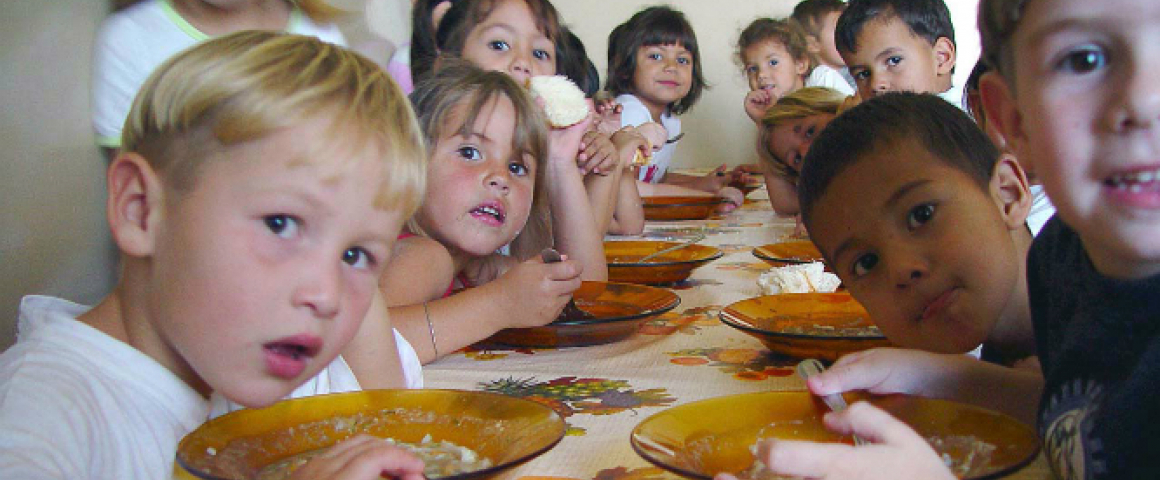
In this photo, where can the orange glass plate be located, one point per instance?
(623, 257)
(701, 439)
(679, 207)
(618, 310)
(805, 325)
(781, 254)
(506, 430)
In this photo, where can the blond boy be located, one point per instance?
(262, 182)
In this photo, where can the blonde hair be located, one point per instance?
(801, 103)
(247, 85)
(450, 101)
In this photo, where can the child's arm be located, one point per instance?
(606, 191)
(375, 342)
(574, 227)
(733, 197)
(956, 377)
(362, 457)
(782, 194)
(897, 451)
(628, 218)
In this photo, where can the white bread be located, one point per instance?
(564, 102)
(801, 278)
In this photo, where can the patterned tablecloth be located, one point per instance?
(685, 355)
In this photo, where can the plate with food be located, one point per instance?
(625, 263)
(601, 312)
(459, 434)
(806, 325)
(786, 253)
(680, 207)
(703, 438)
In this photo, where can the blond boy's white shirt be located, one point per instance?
(76, 403)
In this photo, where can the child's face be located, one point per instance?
(508, 41)
(770, 67)
(921, 246)
(263, 271)
(827, 50)
(479, 192)
(1087, 119)
(891, 58)
(790, 140)
(664, 75)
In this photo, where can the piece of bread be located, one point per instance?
(801, 278)
(564, 102)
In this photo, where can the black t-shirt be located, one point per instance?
(1099, 345)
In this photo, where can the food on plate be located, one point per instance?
(440, 459)
(564, 102)
(798, 278)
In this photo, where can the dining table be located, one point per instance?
(687, 354)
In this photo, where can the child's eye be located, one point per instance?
(653, 56)
(894, 60)
(810, 132)
(357, 257)
(773, 62)
(518, 169)
(283, 226)
(919, 215)
(684, 60)
(863, 264)
(860, 75)
(499, 45)
(1084, 60)
(751, 69)
(470, 153)
(541, 54)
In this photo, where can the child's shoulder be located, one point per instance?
(418, 263)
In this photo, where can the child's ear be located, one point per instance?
(813, 45)
(1010, 189)
(944, 56)
(134, 204)
(802, 65)
(1000, 109)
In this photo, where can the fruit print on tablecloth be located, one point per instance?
(745, 364)
(689, 322)
(570, 396)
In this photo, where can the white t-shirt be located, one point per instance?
(76, 403)
(336, 378)
(955, 96)
(635, 113)
(824, 76)
(133, 42)
(1041, 210)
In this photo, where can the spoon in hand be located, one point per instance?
(810, 367)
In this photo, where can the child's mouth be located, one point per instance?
(286, 358)
(1140, 188)
(491, 213)
(939, 305)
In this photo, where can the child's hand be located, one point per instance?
(536, 291)
(564, 143)
(655, 133)
(607, 114)
(756, 103)
(629, 142)
(362, 457)
(733, 199)
(896, 451)
(885, 370)
(597, 153)
(799, 228)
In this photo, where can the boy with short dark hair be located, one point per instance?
(262, 180)
(899, 45)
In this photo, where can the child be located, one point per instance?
(133, 42)
(787, 131)
(262, 182)
(519, 37)
(899, 45)
(819, 18)
(777, 61)
(422, 51)
(654, 69)
(488, 166)
(1074, 93)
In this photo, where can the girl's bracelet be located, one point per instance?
(431, 329)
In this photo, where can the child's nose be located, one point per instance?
(907, 269)
(497, 180)
(1137, 104)
(520, 67)
(319, 288)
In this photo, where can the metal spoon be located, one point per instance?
(571, 310)
(810, 367)
(673, 248)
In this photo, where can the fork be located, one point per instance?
(810, 367)
(673, 248)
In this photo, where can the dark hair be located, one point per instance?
(572, 61)
(423, 49)
(465, 15)
(883, 121)
(652, 26)
(809, 13)
(997, 22)
(787, 32)
(928, 19)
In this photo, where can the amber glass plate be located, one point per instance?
(506, 430)
(679, 207)
(617, 311)
(787, 253)
(806, 325)
(701, 439)
(623, 257)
